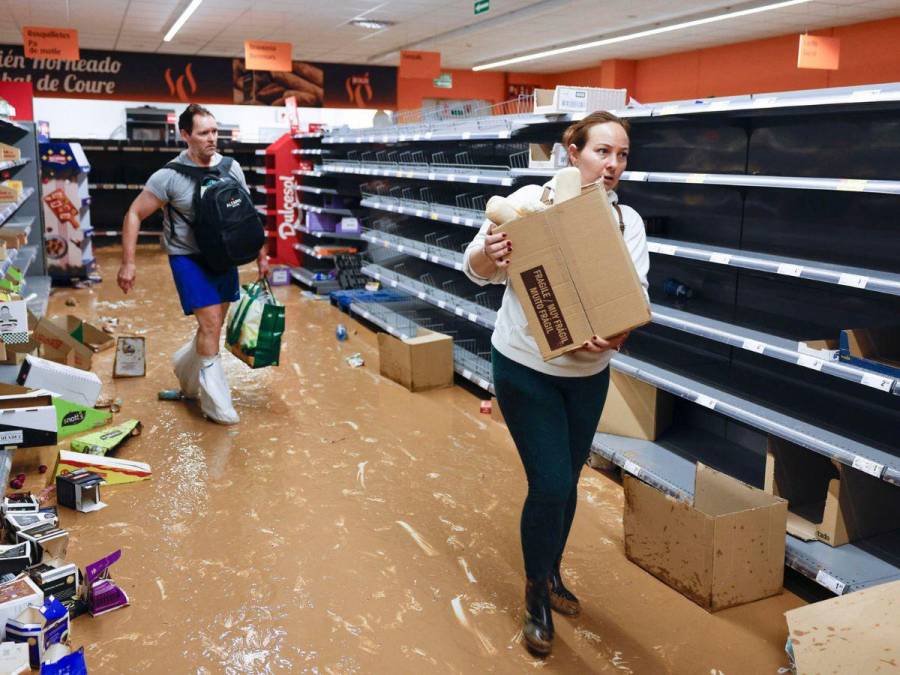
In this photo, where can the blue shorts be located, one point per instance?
(198, 287)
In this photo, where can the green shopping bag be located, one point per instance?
(255, 325)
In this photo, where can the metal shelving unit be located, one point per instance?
(723, 223)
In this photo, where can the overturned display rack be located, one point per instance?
(732, 258)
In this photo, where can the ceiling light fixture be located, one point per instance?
(639, 34)
(185, 15)
(371, 24)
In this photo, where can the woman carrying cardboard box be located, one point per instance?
(553, 408)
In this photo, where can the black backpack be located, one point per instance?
(227, 227)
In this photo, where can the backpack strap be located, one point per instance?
(621, 219)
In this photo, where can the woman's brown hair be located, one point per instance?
(577, 134)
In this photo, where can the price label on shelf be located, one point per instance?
(720, 258)
(719, 105)
(466, 135)
(432, 176)
(833, 584)
(458, 311)
(472, 317)
(506, 181)
(754, 346)
(666, 249)
(653, 247)
(417, 137)
(696, 178)
(470, 222)
(473, 179)
(868, 466)
(420, 295)
(706, 401)
(632, 468)
(442, 304)
(419, 213)
(451, 178)
(503, 134)
(810, 362)
(428, 135)
(636, 175)
(455, 220)
(765, 102)
(878, 382)
(790, 270)
(467, 374)
(854, 280)
(865, 94)
(433, 216)
(667, 110)
(851, 185)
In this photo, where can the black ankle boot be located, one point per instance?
(561, 598)
(538, 623)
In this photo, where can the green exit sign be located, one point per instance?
(481, 6)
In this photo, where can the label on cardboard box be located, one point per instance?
(543, 299)
(11, 437)
(571, 100)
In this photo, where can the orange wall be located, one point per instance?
(869, 54)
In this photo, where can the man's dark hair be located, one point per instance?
(186, 119)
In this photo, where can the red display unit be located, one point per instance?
(280, 210)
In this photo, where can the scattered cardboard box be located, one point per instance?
(724, 549)
(824, 349)
(876, 349)
(15, 558)
(30, 460)
(853, 633)
(27, 420)
(828, 501)
(105, 441)
(15, 596)
(635, 409)
(72, 343)
(130, 357)
(419, 363)
(62, 581)
(573, 274)
(20, 503)
(72, 384)
(61, 660)
(49, 543)
(113, 470)
(40, 627)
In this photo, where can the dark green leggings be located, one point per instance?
(552, 421)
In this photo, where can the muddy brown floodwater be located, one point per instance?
(349, 526)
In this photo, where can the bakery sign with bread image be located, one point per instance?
(138, 76)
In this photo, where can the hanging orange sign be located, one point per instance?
(259, 55)
(823, 53)
(425, 65)
(60, 44)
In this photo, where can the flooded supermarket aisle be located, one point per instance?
(347, 525)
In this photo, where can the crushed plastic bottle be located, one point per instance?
(341, 332)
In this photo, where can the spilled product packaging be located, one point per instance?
(419, 363)
(573, 274)
(14, 658)
(72, 418)
(15, 596)
(130, 357)
(72, 384)
(27, 420)
(725, 548)
(113, 470)
(60, 579)
(103, 595)
(107, 440)
(40, 627)
(79, 490)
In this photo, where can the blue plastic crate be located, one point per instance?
(343, 299)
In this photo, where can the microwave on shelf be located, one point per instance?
(147, 123)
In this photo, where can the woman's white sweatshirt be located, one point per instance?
(511, 335)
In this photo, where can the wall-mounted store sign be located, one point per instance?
(50, 43)
(420, 64)
(133, 76)
(815, 51)
(273, 56)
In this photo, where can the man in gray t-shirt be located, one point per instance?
(204, 293)
(177, 190)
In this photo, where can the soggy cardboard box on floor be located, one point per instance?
(419, 363)
(829, 501)
(71, 341)
(573, 274)
(27, 420)
(635, 409)
(724, 549)
(853, 633)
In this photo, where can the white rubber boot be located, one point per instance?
(186, 364)
(215, 394)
